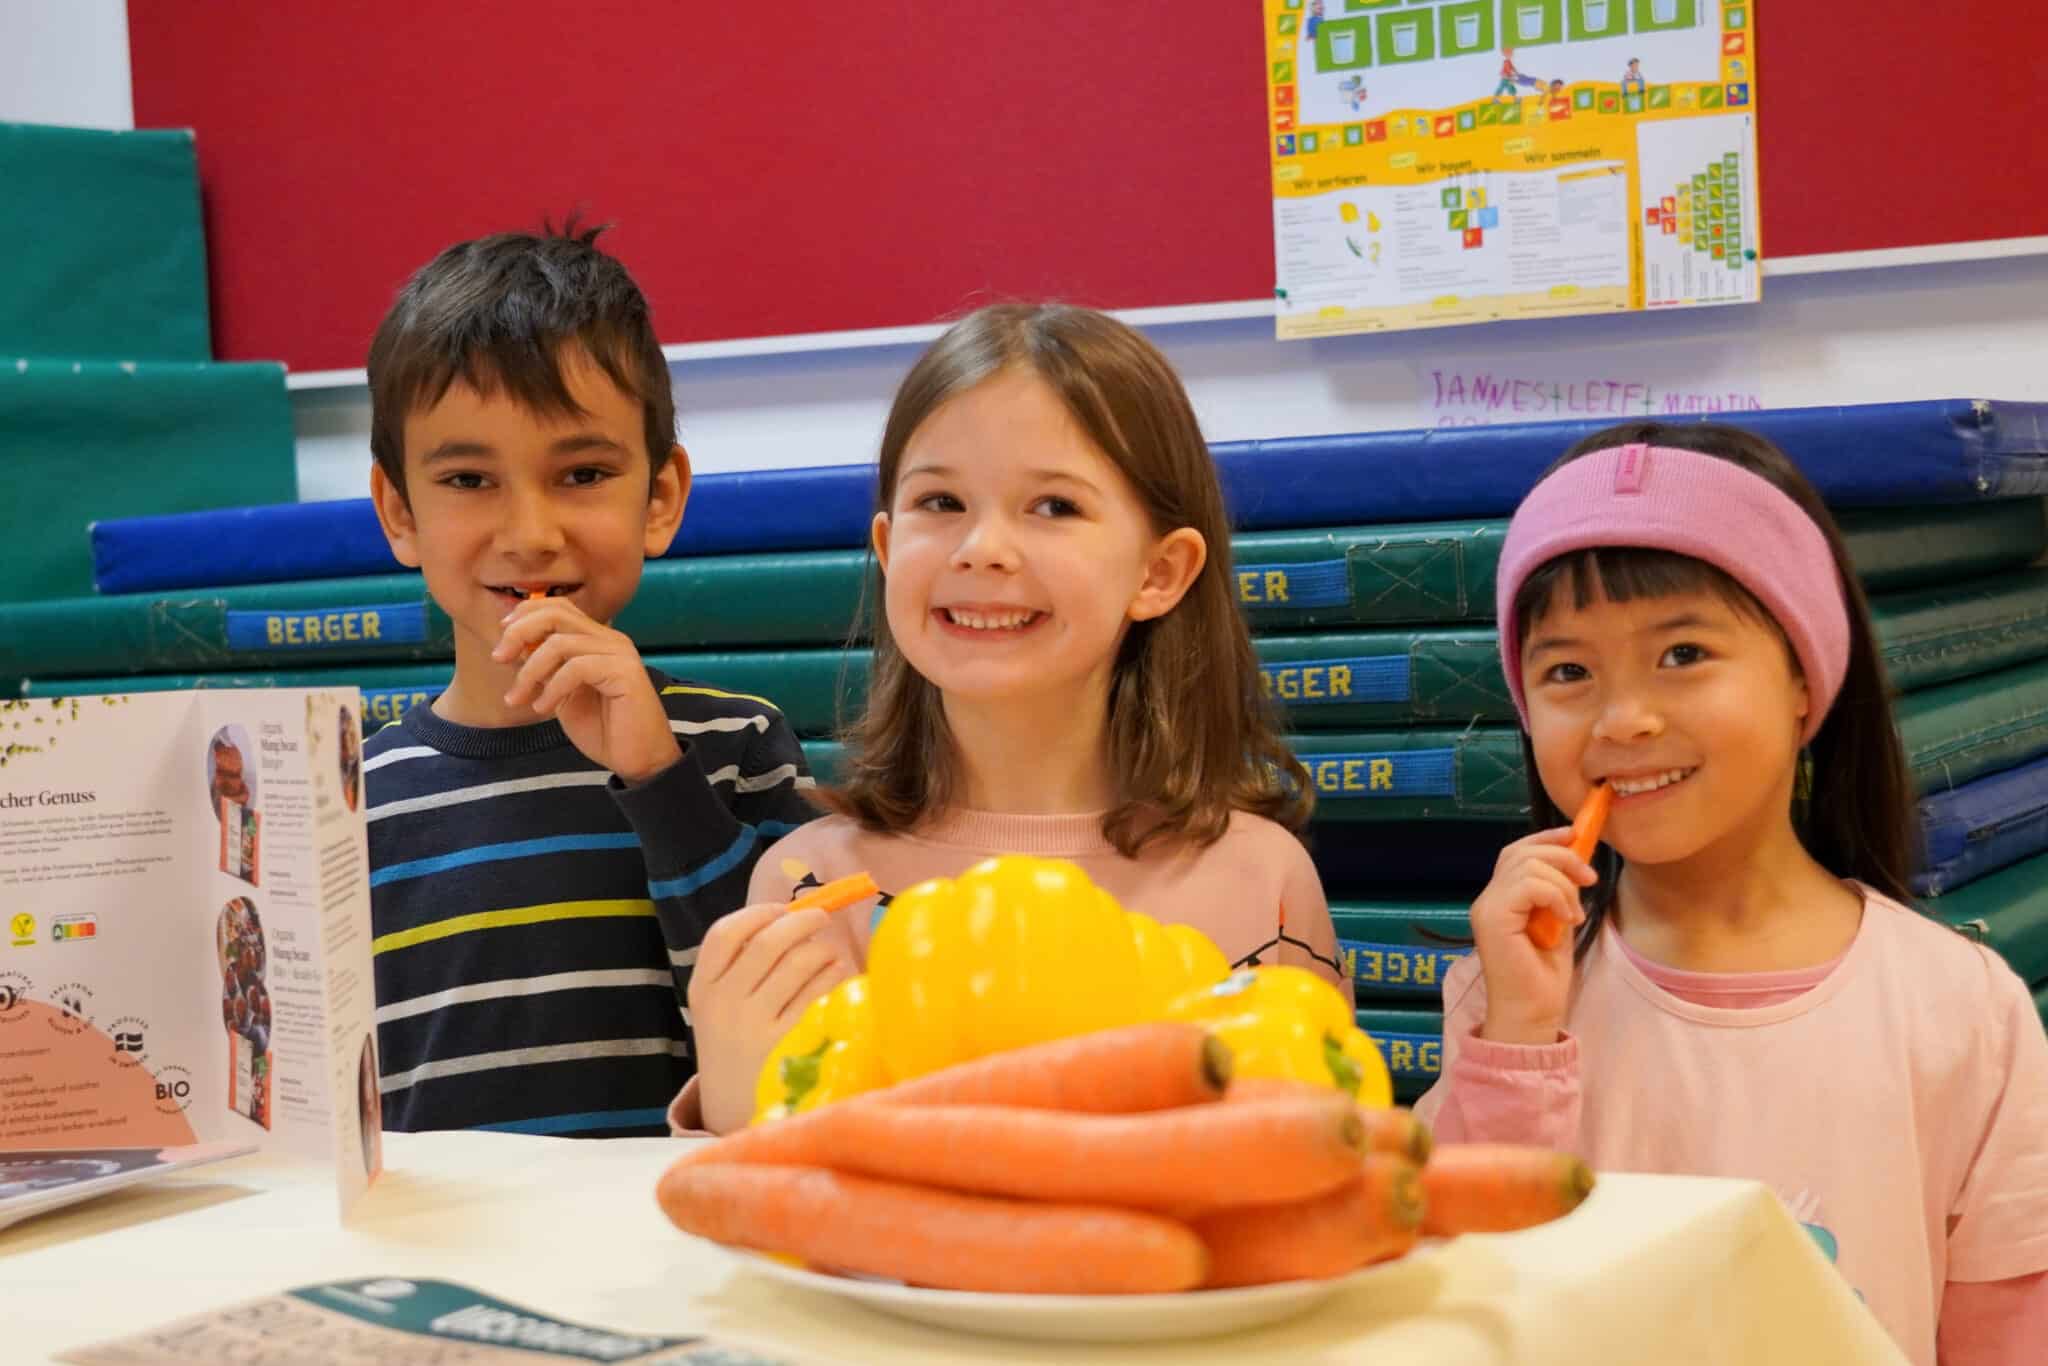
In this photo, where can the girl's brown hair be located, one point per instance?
(1856, 818)
(1191, 734)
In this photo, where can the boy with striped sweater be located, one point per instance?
(550, 838)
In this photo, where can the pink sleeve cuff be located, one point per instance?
(1520, 1057)
(686, 1114)
(1512, 1093)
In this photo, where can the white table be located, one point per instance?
(1650, 1269)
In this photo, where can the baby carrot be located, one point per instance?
(1591, 820)
(1369, 1218)
(837, 894)
(1197, 1157)
(1544, 926)
(1498, 1188)
(932, 1237)
(1394, 1131)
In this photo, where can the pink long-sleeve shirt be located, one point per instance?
(1896, 1100)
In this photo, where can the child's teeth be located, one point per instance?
(989, 621)
(1634, 786)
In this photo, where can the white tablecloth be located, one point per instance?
(1650, 1269)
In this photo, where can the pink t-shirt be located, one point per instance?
(1897, 1102)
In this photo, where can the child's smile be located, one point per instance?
(1690, 709)
(1013, 550)
(989, 621)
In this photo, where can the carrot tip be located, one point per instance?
(1217, 1062)
(1422, 1144)
(1578, 1185)
(1352, 1130)
(1409, 1202)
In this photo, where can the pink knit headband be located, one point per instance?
(1663, 498)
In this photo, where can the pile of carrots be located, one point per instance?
(1119, 1162)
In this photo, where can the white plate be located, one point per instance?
(1076, 1318)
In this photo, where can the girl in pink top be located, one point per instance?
(1060, 669)
(1746, 993)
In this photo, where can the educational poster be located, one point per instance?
(1457, 161)
(186, 889)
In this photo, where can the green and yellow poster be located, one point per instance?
(1457, 161)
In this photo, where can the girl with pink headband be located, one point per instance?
(1746, 992)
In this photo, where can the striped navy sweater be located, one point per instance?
(536, 919)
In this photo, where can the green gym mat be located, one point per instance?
(2007, 910)
(812, 598)
(1976, 726)
(1338, 679)
(1442, 572)
(1400, 949)
(82, 440)
(1937, 635)
(1900, 548)
(719, 600)
(106, 254)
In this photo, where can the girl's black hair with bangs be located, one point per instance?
(1857, 817)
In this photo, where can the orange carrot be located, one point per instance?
(1369, 1218)
(1137, 1068)
(931, 1237)
(1544, 926)
(1395, 1130)
(838, 894)
(1157, 1066)
(1201, 1156)
(1591, 820)
(1498, 1188)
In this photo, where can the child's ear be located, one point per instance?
(666, 495)
(878, 535)
(394, 515)
(1175, 563)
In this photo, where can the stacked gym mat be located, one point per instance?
(110, 402)
(1365, 566)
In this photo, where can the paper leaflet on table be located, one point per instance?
(365, 1322)
(201, 862)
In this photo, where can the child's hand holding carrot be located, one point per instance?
(757, 970)
(589, 677)
(1528, 985)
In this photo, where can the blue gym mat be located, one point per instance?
(1980, 827)
(1939, 451)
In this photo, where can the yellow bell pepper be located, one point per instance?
(828, 1055)
(1287, 1022)
(1172, 961)
(1014, 951)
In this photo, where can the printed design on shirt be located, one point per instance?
(1805, 1208)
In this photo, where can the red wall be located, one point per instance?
(816, 167)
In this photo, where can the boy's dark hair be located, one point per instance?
(1192, 737)
(1857, 818)
(495, 313)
